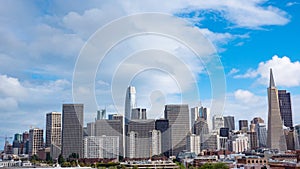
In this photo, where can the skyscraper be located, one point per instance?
(72, 130)
(101, 114)
(109, 128)
(163, 126)
(218, 122)
(243, 125)
(35, 140)
(261, 134)
(130, 103)
(276, 137)
(141, 129)
(229, 122)
(205, 114)
(178, 116)
(53, 133)
(285, 108)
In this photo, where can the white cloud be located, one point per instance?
(285, 72)
(11, 87)
(233, 71)
(245, 96)
(291, 4)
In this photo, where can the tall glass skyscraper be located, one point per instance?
(72, 130)
(179, 119)
(130, 102)
(285, 108)
(229, 122)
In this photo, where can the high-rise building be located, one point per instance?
(25, 142)
(200, 127)
(257, 120)
(35, 140)
(210, 142)
(138, 113)
(178, 116)
(155, 142)
(205, 114)
(110, 128)
(285, 106)
(224, 132)
(103, 147)
(130, 102)
(162, 125)
(253, 140)
(289, 137)
(243, 125)
(53, 133)
(239, 143)
(218, 122)
(276, 138)
(229, 122)
(195, 114)
(297, 133)
(141, 129)
(261, 134)
(101, 114)
(91, 129)
(72, 130)
(193, 143)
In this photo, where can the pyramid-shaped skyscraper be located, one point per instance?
(276, 137)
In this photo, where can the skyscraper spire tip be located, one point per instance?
(272, 83)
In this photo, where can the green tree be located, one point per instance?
(214, 166)
(61, 159)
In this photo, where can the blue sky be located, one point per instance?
(41, 40)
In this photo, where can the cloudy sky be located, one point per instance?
(40, 42)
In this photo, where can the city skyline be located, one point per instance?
(44, 45)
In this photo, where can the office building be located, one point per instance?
(253, 140)
(162, 125)
(101, 114)
(243, 125)
(155, 142)
(72, 130)
(285, 106)
(138, 113)
(178, 116)
(193, 143)
(36, 141)
(205, 114)
(110, 128)
(195, 114)
(103, 147)
(140, 129)
(275, 138)
(224, 132)
(91, 129)
(218, 122)
(210, 142)
(200, 127)
(239, 143)
(130, 103)
(53, 133)
(289, 137)
(229, 122)
(297, 133)
(257, 120)
(262, 135)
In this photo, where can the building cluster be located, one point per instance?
(182, 129)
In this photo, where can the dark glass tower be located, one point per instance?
(72, 130)
(229, 122)
(285, 108)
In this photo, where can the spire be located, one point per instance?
(272, 83)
